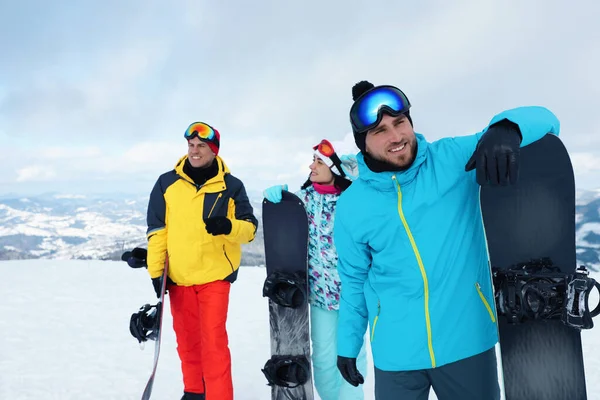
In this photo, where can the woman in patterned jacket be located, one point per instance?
(327, 180)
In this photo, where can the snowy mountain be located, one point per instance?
(83, 227)
(63, 227)
(588, 228)
(101, 227)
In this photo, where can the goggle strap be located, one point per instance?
(332, 162)
(337, 163)
(214, 139)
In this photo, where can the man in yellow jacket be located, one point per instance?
(198, 218)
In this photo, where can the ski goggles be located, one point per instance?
(325, 152)
(325, 148)
(200, 129)
(367, 110)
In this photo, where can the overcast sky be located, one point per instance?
(95, 95)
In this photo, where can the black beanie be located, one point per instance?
(358, 90)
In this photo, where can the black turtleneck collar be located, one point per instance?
(201, 174)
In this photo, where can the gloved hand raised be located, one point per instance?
(218, 226)
(497, 155)
(273, 194)
(347, 367)
(350, 166)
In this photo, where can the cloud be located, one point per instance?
(35, 173)
(75, 108)
(346, 145)
(69, 153)
(143, 154)
(585, 163)
(110, 96)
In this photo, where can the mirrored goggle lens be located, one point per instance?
(365, 114)
(324, 148)
(201, 129)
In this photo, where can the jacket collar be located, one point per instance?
(383, 180)
(216, 183)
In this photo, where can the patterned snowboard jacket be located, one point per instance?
(323, 278)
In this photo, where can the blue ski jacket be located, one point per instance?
(413, 258)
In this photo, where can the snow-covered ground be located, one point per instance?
(64, 335)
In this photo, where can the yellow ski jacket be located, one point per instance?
(176, 212)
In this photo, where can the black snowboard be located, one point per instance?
(285, 226)
(534, 220)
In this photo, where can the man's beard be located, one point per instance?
(378, 165)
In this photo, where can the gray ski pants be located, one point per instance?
(474, 378)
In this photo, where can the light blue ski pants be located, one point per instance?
(328, 380)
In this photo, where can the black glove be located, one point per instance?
(218, 226)
(135, 258)
(157, 284)
(347, 367)
(497, 154)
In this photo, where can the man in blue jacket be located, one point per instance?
(412, 251)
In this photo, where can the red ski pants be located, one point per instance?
(199, 319)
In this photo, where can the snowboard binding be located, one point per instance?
(538, 290)
(287, 290)
(576, 311)
(287, 371)
(144, 324)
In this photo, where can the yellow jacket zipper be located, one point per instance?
(375, 320)
(421, 268)
(485, 302)
(214, 204)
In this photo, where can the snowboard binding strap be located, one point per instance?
(287, 371)
(576, 311)
(538, 290)
(285, 289)
(144, 324)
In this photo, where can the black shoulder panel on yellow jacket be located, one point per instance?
(155, 217)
